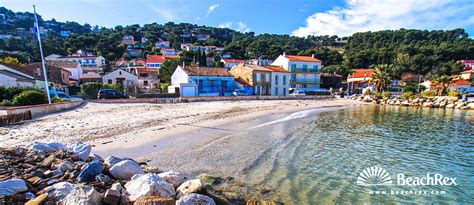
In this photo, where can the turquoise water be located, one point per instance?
(325, 152)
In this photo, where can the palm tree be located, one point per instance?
(442, 81)
(380, 78)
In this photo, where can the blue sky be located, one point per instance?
(294, 17)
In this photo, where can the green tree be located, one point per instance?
(380, 78)
(167, 69)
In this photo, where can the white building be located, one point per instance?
(74, 69)
(89, 64)
(305, 71)
(229, 63)
(121, 77)
(280, 80)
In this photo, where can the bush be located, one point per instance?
(57, 100)
(453, 93)
(114, 86)
(410, 89)
(30, 97)
(8, 93)
(428, 93)
(90, 90)
(7, 103)
(377, 95)
(386, 95)
(407, 95)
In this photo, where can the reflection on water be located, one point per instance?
(324, 155)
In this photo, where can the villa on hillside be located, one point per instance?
(305, 71)
(359, 80)
(199, 81)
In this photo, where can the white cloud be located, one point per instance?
(238, 26)
(165, 13)
(212, 8)
(373, 15)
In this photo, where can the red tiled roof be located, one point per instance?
(242, 82)
(63, 64)
(275, 68)
(91, 76)
(18, 68)
(234, 61)
(148, 70)
(172, 57)
(85, 57)
(461, 82)
(200, 71)
(302, 58)
(361, 73)
(155, 59)
(468, 61)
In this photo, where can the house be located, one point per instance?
(243, 86)
(305, 71)
(162, 44)
(52, 57)
(89, 64)
(468, 73)
(148, 79)
(58, 78)
(169, 52)
(359, 80)
(74, 70)
(198, 81)
(260, 62)
(256, 76)
(154, 61)
(202, 37)
(90, 78)
(280, 80)
(128, 40)
(461, 86)
(229, 63)
(189, 47)
(121, 77)
(12, 75)
(135, 64)
(134, 53)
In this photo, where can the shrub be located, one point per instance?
(114, 86)
(90, 90)
(410, 89)
(407, 95)
(8, 93)
(377, 94)
(7, 103)
(57, 100)
(30, 97)
(453, 93)
(386, 95)
(428, 93)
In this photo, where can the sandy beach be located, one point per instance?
(189, 137)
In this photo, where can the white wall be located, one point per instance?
(281, 61)
(129, 78)
(280, 85)
(179, 76)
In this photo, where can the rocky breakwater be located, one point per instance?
(432, 102)
(56, 173)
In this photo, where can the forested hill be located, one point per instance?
(424, 52)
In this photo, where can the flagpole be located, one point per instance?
(41, 53)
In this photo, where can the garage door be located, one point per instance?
(188, 91)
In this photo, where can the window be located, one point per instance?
(305, 68)
(145, 83)
(109, 81)
(293, 77)
(267, 77)
(258, 77)
(315, 68)
(87, 61)
(276, 91)
(93, 61)
(284, 91)
(276, 79)
(80, 61)
(143, 75)
(284, 80)
(200, 85)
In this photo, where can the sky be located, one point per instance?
(293, 17)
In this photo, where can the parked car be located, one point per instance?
(239, 93)
(298, 93)
(62, 95)
(110, 94)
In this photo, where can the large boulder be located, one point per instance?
(191, 186)
(172, 177)
(195, 199)
(148, 185)
(125, 169)
(154, 200)
(111, 161)
(65, 166)
(60, 190)
(12, 186)
(79, 150)
(90, 170)
(83, 195)
(46, 147)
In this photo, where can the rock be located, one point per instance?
(151, 169)
(262, 202)
(190, 186)
(48, 161)
(148, 185)
(111, 161)
(91, 170)
(154, 200)
(450, 106)
(125, 169)
(405, 103)
(65, 166)
(60, 190)
(34, 180)
(38, 200)
(80, 150)
(12, 186)
(103, 178)
(209, 179)
(195, 199)
(117, 187)
(83, 195)
(46, 147)
(111, 196)
(172, 177)
(97, 157)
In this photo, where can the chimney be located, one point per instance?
(284, 54)
(312, 55)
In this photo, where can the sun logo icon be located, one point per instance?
(374, 176)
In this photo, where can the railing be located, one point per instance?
(305, 70)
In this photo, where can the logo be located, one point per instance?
(374, 176)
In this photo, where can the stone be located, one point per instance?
(154, 200)
(110, 161)
(195, 199)
(103, 178)
(34, 180)
(190, 186)
(263, 202)
(79, 150)
(125, 169)
(46, 147)
(405, 103)
(117, 186)
(91, 170)
(12, 187)
(172, 177)
(97, 157)
(65, 166)
(209, 179)
(151, 169)
(38, 200)
(48, 161)
(450, 106)
(149, 184)
(111, 196)
(83, 195)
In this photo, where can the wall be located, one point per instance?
(37, 110)
(129, 78)
(280, 85)
(268, 97)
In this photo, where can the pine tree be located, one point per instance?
(204, 59)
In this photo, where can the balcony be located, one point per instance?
(305, 70)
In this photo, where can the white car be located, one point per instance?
(62, 95)
(298, 93)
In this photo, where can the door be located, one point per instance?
(188, 91)
(120, 81)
